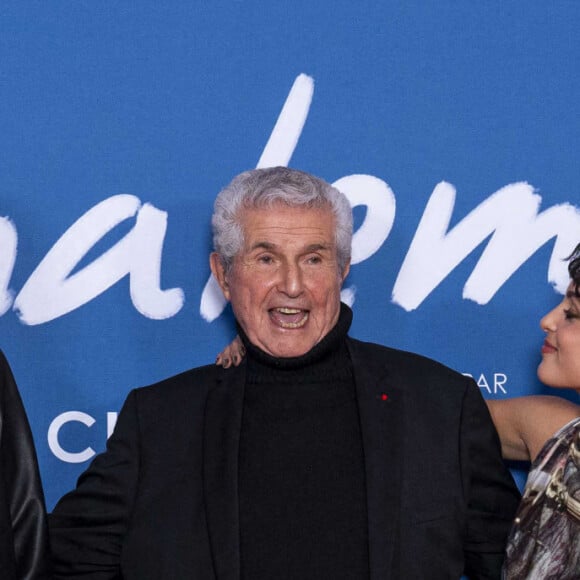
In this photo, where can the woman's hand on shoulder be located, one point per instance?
(232, 354)
(524, 424)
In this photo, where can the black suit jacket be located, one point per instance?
(23, 529)
(162, 502)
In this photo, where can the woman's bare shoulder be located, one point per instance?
(524, 424)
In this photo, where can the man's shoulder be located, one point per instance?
(190, 384)
(427, 384)
(402, 361)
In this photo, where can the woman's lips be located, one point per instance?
(547, 348)
(289, 317)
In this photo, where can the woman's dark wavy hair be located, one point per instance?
(574, 269)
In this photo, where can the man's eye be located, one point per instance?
(569, 313)
(314, 260)
(265, 259)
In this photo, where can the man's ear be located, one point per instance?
(345, 272)
(219, 272)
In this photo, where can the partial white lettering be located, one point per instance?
(510, 216)
(8, 245)
(52, 291)
(56, 447)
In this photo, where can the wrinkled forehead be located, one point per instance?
(289, 229)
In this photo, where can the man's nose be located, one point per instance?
(291, 280)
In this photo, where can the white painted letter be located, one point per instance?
(510, 216)
(499, 380)
(52, 291)
(111, 422)
(379, 200)
(8, 244)
(482, 383)
(278, 151)
(54, 429)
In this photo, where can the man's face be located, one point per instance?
(284, 284)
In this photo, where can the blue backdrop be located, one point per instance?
(453, 128)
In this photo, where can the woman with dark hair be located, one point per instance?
(545, 539)
(23, 528)
(544, 543)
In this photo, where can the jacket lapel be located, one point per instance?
(223, 419)
(381, 415)
(381, 427)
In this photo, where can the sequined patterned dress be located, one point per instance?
(544, 542)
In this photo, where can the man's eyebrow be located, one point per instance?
(317, 247)
(263, 246)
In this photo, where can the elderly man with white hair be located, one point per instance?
(318, 457)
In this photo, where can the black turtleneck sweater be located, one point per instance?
(303, 511)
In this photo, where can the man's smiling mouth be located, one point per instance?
(289, 317)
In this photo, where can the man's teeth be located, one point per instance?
(294, 312)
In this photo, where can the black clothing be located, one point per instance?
(301, 472)
(23, 529)
(162, 503)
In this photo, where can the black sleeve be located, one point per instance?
(23, 530)
(89, 524)
(492, 496)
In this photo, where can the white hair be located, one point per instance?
(263, 188)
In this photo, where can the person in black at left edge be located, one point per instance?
(23, 527)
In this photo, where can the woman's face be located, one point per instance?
(560, 366)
